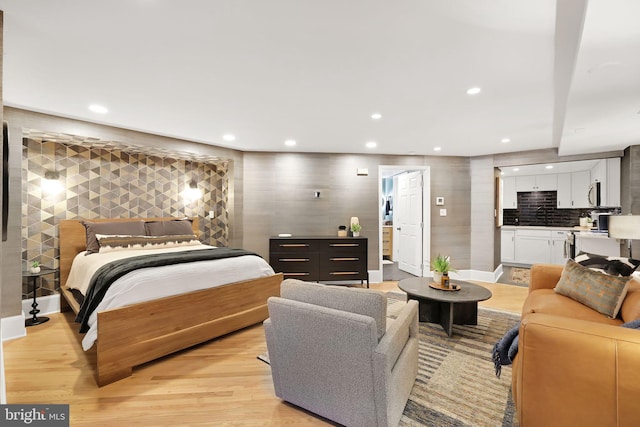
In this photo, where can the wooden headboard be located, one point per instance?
(73, 239)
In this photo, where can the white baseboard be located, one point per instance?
(47, 305)
(13, 327)
(479, 275)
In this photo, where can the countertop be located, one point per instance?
(582, 231)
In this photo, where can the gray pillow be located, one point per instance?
(119, 228)
(178, 227)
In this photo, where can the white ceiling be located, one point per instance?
(315, 71)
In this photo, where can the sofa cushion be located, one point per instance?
(630, 309)
(367, 302)
(614, 265)
(547, 301)
(602, 292)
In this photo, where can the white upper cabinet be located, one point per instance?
(509, 193)
(564, 191)
(607, 173)
(580, 182)
(547, 182)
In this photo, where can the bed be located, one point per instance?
(137, 333)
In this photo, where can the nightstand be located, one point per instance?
(44, 271)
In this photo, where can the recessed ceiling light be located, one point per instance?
(505, 140)
(98, 109)
(549, 167)
(515, 169)
(473, 91)
(290, 142)
(229, 137)
(376, 116)
(501, 172)
(371, 144)
(437, 148)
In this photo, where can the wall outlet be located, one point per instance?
(443, 212)
(211, 215)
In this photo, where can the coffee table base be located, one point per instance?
(447, 314)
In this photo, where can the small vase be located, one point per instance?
(437, 277)
(356, 234)
(35, 270)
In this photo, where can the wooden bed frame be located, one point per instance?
(132, 335)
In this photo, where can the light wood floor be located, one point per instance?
(218, 383)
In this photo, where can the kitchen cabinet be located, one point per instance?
(564, 191)
(580, 182)
(508, 245)
(573, 189)
(607, 173)
(558, 252)
(509, 193)
(534, 246)
(547, 182)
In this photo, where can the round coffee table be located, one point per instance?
(446, 307)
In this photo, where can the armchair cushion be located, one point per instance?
(355, 300)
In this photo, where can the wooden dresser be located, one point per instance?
(320, 258)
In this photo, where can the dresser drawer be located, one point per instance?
(292, 245)
(297, 265)
(341, 265)
(344, 246)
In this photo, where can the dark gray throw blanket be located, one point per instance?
(506, 349)
(109, 273)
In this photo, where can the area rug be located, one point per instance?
(456, 384)
(521, 276)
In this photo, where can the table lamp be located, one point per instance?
(625, 227)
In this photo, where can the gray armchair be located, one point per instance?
(334, 352)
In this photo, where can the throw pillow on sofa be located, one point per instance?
(614, 265)
(601, 292)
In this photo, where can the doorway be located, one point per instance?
(404, 219)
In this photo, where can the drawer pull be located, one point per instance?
(343, 273)
(296, 274)
(344, 259)
(294, 245)
(344, 245)
(293, 259)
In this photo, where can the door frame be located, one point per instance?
(426, 212)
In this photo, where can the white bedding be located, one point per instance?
(156, 282)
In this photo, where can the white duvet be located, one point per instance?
(156, 282)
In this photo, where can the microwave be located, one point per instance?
(594, 195)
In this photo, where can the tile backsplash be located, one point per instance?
(539, 208)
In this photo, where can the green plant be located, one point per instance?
(356, 227)
(35, 264)
(441, 264)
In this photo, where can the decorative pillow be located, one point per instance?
(130, 228)
(614, 265)
(180, 227)
(109, 243)
(601, 292)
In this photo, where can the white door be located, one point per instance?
(410, 222)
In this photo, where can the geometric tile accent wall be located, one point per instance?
(103, 182)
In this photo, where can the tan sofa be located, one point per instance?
(575, 366)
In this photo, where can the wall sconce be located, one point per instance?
(51, 184)
(192, 192)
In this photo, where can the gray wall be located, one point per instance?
(278, 198)
(630, 188)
